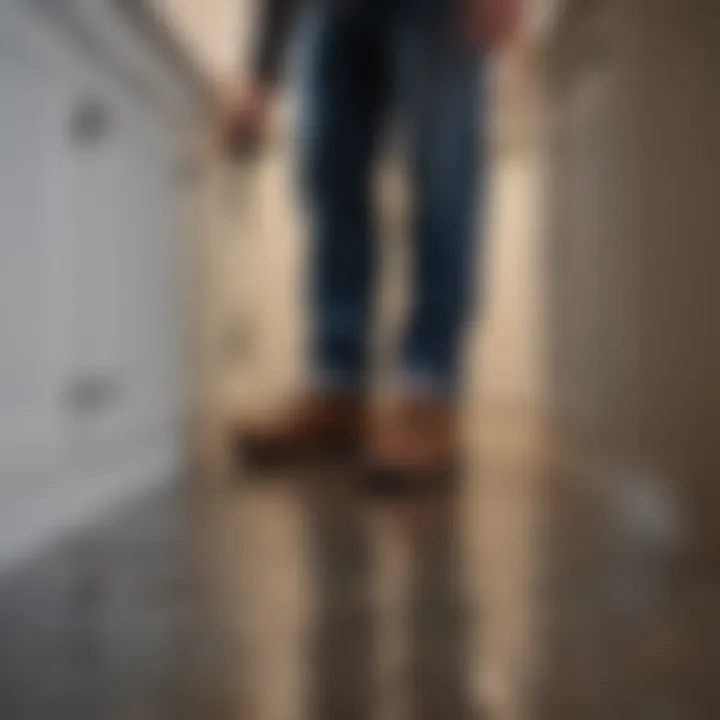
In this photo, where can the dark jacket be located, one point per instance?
(276, 17)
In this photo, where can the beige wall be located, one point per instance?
(635, 257)
(212, 29)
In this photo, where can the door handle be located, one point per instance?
(90, 122)
(90, 395)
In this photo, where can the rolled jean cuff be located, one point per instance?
(336, 381)
(422, 382)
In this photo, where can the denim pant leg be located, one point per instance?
(441, 84)
(346, 97)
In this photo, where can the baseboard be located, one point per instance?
(73, 498)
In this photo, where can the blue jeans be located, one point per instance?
(369, 58)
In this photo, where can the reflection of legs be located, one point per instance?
(346, 100)
(439, 673)
(341, 639)
(440, 83)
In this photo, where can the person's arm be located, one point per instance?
(275, 21)
(246, 107)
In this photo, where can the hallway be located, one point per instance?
(545, 585)
(531, 591)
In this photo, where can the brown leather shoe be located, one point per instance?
(315, 426)
(415, 446)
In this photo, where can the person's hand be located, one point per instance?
(491, 24)
(245, 112)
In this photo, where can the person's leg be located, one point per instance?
(344, 107)
(440, 85)
(441, 81)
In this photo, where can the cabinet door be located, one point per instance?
(31, 183)
(125, 317)
(100, 280)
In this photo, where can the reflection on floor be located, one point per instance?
(523, 594)
(284, 598)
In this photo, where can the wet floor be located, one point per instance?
(526, 592)
(284, 597)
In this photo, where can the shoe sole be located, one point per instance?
(393, 482)
(262, 461)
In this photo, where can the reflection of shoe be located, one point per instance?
(414, 447)
(316, 426)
